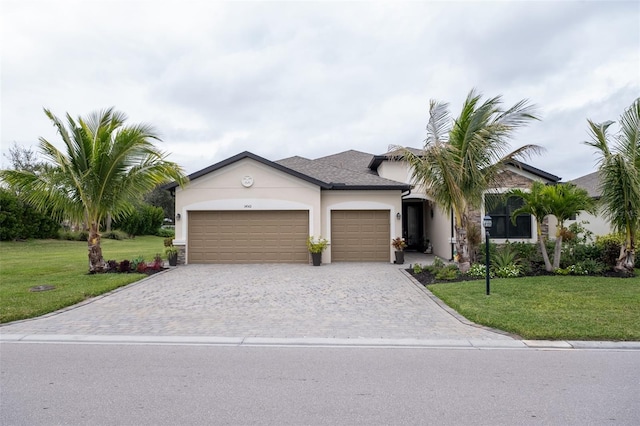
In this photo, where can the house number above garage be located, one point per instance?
(247, 181)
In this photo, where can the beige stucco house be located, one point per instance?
(247, 209)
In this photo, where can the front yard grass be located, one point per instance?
(63, 264)
(551, 307)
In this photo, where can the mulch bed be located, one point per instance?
(426, 278)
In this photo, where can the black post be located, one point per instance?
(487, 261)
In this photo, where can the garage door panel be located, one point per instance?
(360, 235)
(248, 237)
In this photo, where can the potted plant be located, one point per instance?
(316, 246)
(399, 244)
(172, 255)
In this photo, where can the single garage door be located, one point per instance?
(248, 237)
(360, 236)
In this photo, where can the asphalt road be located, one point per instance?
(86, 384)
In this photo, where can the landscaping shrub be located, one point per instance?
(125, 266)
(112, 266)
(448, 273)
(146, 220)
(158, 263)
(438, 263)
(478, 270)
(609, 246)
(580, 252)
(115, 235)
(591, 266)
(505, 262)
(18, 220)
(166, 233)
(74, 235)
(417, 268)
(136, 261)
(508, 271)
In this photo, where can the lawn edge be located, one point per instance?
(455, 313)
(86, 301)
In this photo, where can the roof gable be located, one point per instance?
(247, 154)
(320, 172)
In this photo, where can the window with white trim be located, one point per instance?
(500, 209)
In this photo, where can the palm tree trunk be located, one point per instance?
(626, 260)
(543, 249)
(557, 252)
(462, 249)
(96, 261)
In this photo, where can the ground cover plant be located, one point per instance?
(62, 264)
(551, 307)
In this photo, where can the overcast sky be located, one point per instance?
(316, 78)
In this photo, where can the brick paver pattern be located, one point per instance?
(340, 300)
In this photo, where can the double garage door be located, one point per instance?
(280, 236)
(248, 236)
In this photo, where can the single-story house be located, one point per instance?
(247, 209)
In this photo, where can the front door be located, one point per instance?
(413, 225)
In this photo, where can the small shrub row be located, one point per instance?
(439, 270)
(138, 265)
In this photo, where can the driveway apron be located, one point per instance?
(340, 300)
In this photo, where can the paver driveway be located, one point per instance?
(341, 300)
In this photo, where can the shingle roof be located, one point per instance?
(590, 182)
(345, 170)
(376, 160)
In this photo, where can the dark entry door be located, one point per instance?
(413, 225)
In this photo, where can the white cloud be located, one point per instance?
(315, 78)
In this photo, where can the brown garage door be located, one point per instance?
(248, 237)
(360, 236)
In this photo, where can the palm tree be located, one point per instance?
(462, 159)
(619, 170)
(104, 168)
(534, 203)
(563, 201)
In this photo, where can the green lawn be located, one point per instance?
(551, 307)
(63, 264)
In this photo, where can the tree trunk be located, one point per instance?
(96, 261)
(462, 249)
(543, 249)
(626, 261)
(107, 225)
(557, 252)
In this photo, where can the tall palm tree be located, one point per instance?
(534, 203)
(104, 168)
(462, 159)
(619, 170)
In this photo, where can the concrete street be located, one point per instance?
(85, 384)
